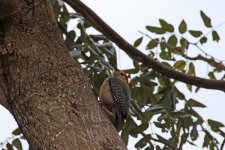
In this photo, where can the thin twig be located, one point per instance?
(210, 31)
(199, 57)
(222, 145)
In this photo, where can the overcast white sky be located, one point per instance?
(127, 17)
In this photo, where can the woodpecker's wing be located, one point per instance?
(121, 96)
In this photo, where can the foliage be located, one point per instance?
(13, 142)
(154, 97)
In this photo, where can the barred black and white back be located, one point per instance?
(121, 96)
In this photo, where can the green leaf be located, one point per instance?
(212, 146)
(222, 133)
(147, 116)
(168, 27)
(71, 35)
(195, 103)
(9, 146)
(206, 140)
(166, 100)
(56, 8)
(163, 140)
(166, 56)
(136, 109)
(96, 78)
(195, 33)
(191, 70)
(139, 129)
(194, 133)
(163, 45)
(87, 24)
(183, 139)
(182, 27)
(23, 138)
(130, 124)
(16, 131)
(155, 109)
(17, 144)
(164, 81)
(132, 71)
(172, 41)
(189, 86)
(203, 40)
(184, 43)
(125, 135)
(187, 122)
(180, 65)
(163, 126)
(138, 42)
(64, 17)
(179, 94)
(179, 114)
(156, 30)
(141, 143)
(152, 44)
(206, 19)
(215, 36)
(211, 75)
(215, 123)
(197, 89)
(158, 147)
(178, 50)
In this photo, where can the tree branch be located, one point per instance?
(211, 61)
(205, 59)
(100, 25)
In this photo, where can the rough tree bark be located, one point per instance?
(44, 88)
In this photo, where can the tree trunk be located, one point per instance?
(46, 89)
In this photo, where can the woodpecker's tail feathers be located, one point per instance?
(118, 124)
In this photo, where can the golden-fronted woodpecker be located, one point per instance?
(115, 96)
